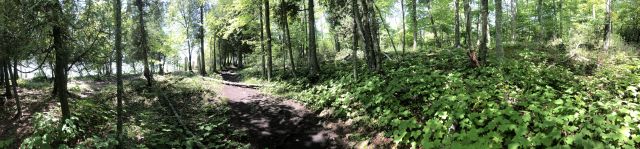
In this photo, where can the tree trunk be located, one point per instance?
(414, 18)
(607, 26)
(291, 59)
(434, 28)
(514, 20)
(203, 70)
(143, 43)
(14, 82)
(539, 11)
(498, 23)
(262, 50)
(287, 38)
(314, 67)
(61, 62)
(483, 38)
(119, 85)
(473, 58)
(457, 22)
(5, 72)
(268, 27)
(189, 49)
(354, 50)
(404, 33)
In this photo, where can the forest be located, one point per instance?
(319, 74)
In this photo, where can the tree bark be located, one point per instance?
(414, 18)
(473, 58)
(354, 50)
(434, 28)
(268, 27)
(14, 82)
(404, 33)
(607, 26)
(119, 85)
(539, 11)
(61, 62)
(314, 67)
(6, 82)
(285, 25)
(457, 22)
(143, 43)
(203, 70)
(498, 23)
(262, 57)
(514, 20)
(483, 38)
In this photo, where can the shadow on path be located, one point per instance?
(276, 123)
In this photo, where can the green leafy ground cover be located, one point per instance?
(539, 100)
(150, 123)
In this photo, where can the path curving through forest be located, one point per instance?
(272, 122)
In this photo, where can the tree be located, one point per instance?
(354, 49)
(143, 42)
(607, 26)
(284, 8)
(404, 33)
(268, 27)
(498, 23)
(186, 11)
(514, 17)
(457, 23)
(117, 6)
(203, 71)
(262, 50)
(314, 67)
(484, 34)
(539, 19)
(434, 28)
(61, 54)
(414, 18)
(14, 82)
(473, 58)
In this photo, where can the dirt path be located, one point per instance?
(272, 122)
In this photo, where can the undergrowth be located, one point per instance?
(150, 121)
(533, 99)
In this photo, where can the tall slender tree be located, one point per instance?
(473, 58)
(607, 26)
(514, 20)
(404, 32)
(268, 27)
(62, 55)
(483, 38)
(498, 24)
(262, 50)
(287, 34)
(456, 41)
(314, 67)
(203, 70)
(143, 42)
(539, 19)
(434, 27)
(117, 6)
(414, 19)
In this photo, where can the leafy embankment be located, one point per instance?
(150, 123)
(531, 102)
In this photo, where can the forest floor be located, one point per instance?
(274, 122)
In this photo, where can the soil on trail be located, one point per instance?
(272, 122)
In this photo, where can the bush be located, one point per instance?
(526, 103)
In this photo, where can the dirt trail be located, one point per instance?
(272, 122)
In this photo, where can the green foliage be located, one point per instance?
(524, 103)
